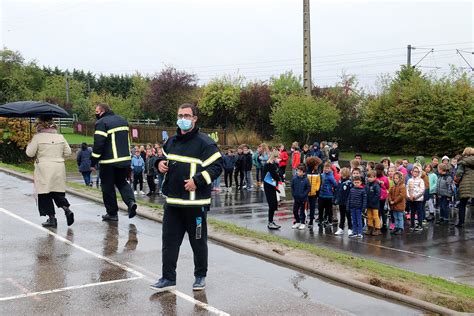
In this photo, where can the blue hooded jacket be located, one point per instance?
(342, 192)
(300, 188)
(328, 185)
(373, 194)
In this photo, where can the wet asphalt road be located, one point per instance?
(101, 268)
(443, 251)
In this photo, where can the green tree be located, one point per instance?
(284, 85)
(220, 100)
(301, 117)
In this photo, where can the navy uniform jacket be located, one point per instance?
(192, 155)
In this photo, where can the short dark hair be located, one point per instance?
(104, 106)
(356, 178)
(302, 167)
(358, 155)
(189, 106)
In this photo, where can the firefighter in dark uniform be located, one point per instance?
(111, 151)
(191, 162)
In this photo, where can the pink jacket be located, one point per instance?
(384, 187)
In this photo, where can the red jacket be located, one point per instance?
(284, 158)
(337, 176)
(295, 159)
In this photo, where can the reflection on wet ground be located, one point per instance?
(439, 250)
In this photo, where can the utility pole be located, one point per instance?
(67, 87)
(306, 48)
(409, 48)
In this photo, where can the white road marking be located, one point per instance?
(178, 293)
(21, 288)
(138, 274)
(61, 238)
(69, 288)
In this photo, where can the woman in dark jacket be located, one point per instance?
(465, 178)
(84, 163)
(270, 174)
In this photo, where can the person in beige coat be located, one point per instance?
(50, 148)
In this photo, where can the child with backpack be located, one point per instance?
(328, 185)
(314, 179)
(373, 200)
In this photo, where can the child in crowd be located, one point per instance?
(384, 187)
(415, 191)
(295, 158)
(400, 167)
(160, 176)
(150, 170)
(342, 194)
(328, 185)
(228, 164)
(434, 163)
(444, 190)
(300, 188)
(397, 201)
(356, 173)
(433, 179)
(239, 168)
(247, 161)
(373, 200)
(334, 155)
(138, 165)
(391, 174)
(314, 179)
(356, 203)
(385, 161)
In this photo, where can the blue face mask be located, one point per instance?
(184, 124)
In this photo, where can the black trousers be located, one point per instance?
(228, 178)
(112, 177)
(138, 179)
(176, 222)
(151, 183)
(345, 213)
(270, 194)
(45, 202)
(325, 209)
(239, 174)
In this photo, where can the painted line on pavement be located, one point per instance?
(63, 289)
(21, 288)
(178, 293)
(61, 238)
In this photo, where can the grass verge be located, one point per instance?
(437, 290)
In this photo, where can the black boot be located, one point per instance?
(132, 210)
(69, 216)
(109, 218)
(50, 222)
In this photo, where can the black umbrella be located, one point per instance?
(32, 109)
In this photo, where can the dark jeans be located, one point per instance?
(228, 177)
(281, 171)
(87, 177)
(415, 208)
(462, 210)
(259, 174)
(344, 213)
(110, 178)
(298, 211)
(176, 222)
(151, 183)
(325, 209)
(356, 221)
(444, 207)
(312, 207)
(270, 194)
(137, 178)
(239, 174)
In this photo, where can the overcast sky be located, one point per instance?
(253, 38)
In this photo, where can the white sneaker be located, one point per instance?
(302, 226)
(349, 232)
(296, 226)
(135, 192)
(142, 193)
(339, 232)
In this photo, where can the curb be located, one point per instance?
(394, 296)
